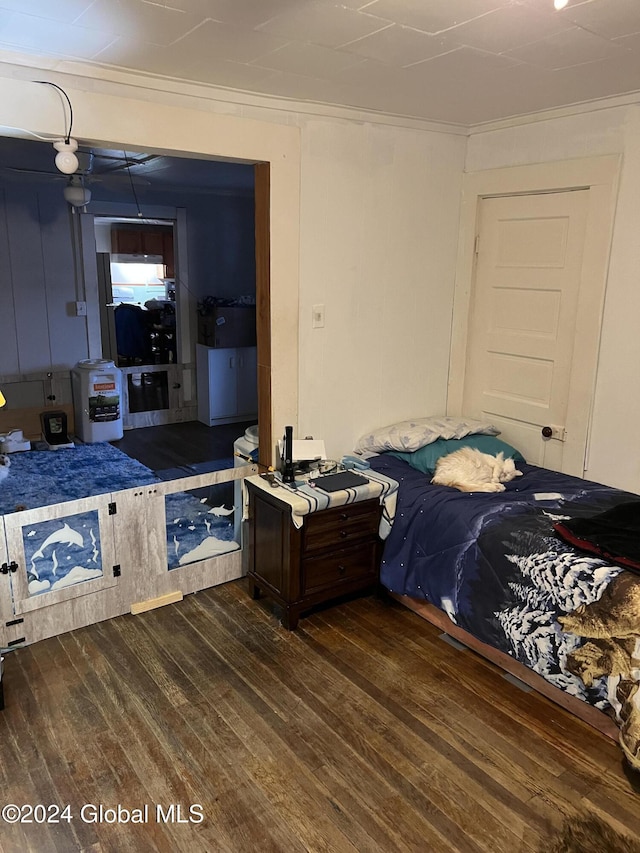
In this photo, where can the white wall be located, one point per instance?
(364, 219)
(612, 456)
(379, 219)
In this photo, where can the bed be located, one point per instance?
(495, 568)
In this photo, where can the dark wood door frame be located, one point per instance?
(266, 450)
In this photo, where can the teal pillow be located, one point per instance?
(425, 459)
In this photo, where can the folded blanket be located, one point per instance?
(613, 535)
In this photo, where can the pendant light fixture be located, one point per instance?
(75, 192)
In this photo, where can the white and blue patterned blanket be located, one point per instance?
(304, 499)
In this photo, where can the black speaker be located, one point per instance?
(288, 475)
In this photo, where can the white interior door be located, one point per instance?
(523, 319)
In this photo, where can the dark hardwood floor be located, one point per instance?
(172, 445)
(361, 731)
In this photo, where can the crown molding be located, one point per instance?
(598, 105)
(93, 76)
(110, 80)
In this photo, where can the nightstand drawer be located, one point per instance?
(328, 571)
(338, 527)
(334, 552)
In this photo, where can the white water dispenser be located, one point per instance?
(97, 393)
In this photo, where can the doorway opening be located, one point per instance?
(137, 292)
(178, 293)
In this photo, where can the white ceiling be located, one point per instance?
(459, 61)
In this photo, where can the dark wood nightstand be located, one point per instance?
(335, 552)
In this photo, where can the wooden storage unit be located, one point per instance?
(137, 242)
(132, 553)
(335, 552)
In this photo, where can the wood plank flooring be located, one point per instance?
(361, 731)
(170, 445)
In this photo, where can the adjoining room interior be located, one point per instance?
(172, 446)
(152, 319)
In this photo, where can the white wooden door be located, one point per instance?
(523, 315)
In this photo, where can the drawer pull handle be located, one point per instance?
(341, 570)
(344, 533)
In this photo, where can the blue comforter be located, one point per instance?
(494, 564)
(45, 477)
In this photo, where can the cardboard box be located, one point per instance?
(229, 326)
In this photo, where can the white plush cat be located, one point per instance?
(5, 464)
(470, 470)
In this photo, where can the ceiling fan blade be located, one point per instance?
(32, 174)
(118, 179)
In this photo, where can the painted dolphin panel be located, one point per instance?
(62, 552)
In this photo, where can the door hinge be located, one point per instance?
(476, 245)
(117, 571)
(5, 568)
(14, 622)
(112, 508)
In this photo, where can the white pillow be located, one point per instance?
(409, 436)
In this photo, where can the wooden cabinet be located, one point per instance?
(227, 384)
(168, 255)
(137, 242)
(335, 552)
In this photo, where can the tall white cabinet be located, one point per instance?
(227, 384)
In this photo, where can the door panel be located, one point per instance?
(63, 552)
(522, 326)
(181, 532)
